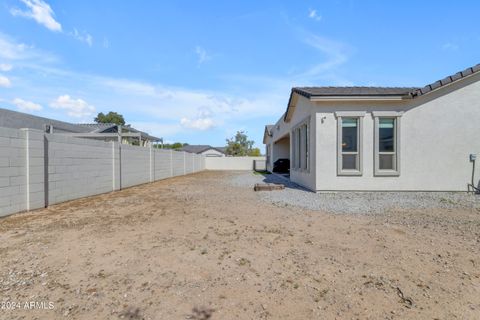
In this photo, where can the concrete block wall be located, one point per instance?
(189, 163)
(35, 168)
(38, 169)
(77, 168)
(178, 163)
(199, 163)
(135, 166)
(231, 163)
(163, 164)
(13, 175)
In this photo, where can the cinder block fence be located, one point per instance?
(39, 169)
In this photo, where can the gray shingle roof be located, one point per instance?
(18, 120)
(200, 148)
(96, 127)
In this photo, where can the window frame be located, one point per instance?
(267, 151)
(355, 115)
(377, 115)
(300, 146)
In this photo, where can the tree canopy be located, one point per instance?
(239, 146)
(111, 117)
(174, 146)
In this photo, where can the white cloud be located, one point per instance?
(5, 67)
(13, 50)
(157, 128)
(202, 55)
(82, 36)
(5, 82)
(312, 14)
(26, 106)
(124, 85)
(106, 43)
(75, 108)
(39, 11)
(198, 123)
(449, 46)
(335, 55)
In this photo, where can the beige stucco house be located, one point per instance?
(380, 138)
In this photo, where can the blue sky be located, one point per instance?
(198, 71)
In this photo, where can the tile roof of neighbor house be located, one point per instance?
(200, 148)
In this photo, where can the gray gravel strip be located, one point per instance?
(354, 202)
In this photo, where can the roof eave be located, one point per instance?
(361, 98)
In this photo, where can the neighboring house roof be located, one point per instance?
(221, 149)
(18, 120)
(99, 127)
(374, 92)
(201, 148)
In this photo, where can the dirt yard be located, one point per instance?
(196, 247)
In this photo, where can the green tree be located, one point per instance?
(239, 145)
(255, 152)
(174, 146)
(111, 117)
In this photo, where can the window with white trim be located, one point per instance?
(300, 146)
(349, 140)
(387, 143)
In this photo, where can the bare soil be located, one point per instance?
(196, 247)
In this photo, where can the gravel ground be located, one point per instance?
(355, 202)
(194, 247)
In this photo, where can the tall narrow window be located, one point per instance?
(293, 152)
(299, 149)
(349, 137)
(387, 142)
(267, 151)
(307, 155)
(300, 146)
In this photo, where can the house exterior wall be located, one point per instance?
(281, 149)
(212, 153)
(303, 112)
(268, 155)
(438, 133)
